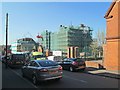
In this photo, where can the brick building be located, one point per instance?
(112, 47)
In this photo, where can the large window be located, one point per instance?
(47, 63)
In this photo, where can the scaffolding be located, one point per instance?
(71, 36)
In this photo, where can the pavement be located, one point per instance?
(103, 72)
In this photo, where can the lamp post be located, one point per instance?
(6, 38)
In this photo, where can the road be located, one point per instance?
(12, 78)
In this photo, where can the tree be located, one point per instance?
(97, 44)
(94, 46)
(100, 38)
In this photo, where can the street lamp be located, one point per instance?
(6, 37)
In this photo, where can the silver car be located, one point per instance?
(42, 70)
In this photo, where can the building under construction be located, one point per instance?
(70, 40)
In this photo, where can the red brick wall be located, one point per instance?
(111, 61)
(112, 23)
(93, 64)
(119, 35)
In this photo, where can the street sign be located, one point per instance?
(57, 53)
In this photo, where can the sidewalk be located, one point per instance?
(103, 72)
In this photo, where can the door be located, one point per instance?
(66, 63)
(32, 68)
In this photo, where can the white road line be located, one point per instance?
(23, 78)
(83, 81)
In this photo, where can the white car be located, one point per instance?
(50, 58)
(54, 58)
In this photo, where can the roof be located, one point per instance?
(111, 7)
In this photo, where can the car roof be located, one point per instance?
(75, 58)
(71, 58)
(41, 60)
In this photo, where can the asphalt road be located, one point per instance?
(12, 78)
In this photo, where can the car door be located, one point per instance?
(26, 69)
(32, 68)
(67, 64)
(29, 69)
(62, 63)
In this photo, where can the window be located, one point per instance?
(33, 64)
(16, 56)
(47, 63)
(65, 59)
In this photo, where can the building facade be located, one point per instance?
(112, 47)
(46, 42)
(79, 38)
(23, 45)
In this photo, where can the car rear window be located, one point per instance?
(39, 56)
(16, 56)
(77, 59)
(47, 63)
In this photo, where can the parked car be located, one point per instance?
(42, 70)
(73, 64)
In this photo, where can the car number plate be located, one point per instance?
(17, 62)
(53, 72)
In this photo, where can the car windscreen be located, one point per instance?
(39, 56)
(47, 63)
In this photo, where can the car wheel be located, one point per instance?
(71, 69)
(34, 80)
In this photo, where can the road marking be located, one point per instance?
(23, 78)
(83, 81)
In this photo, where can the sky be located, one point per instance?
(27, 19)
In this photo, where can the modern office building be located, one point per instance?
(46, 40)
(23, 45)
(69, 39)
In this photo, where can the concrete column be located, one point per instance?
(71, 54)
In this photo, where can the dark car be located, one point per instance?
(16, 60)
(73, 64)
(3, 59)
(42, 70)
